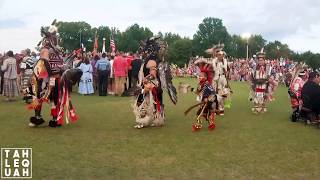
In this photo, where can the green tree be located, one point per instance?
(276, 49)
(256, 42)
(237, 47)
(131, 38)
(210, 31)
(179, 51)
(72, 33)
(295, 56)
(311, 59)
(170, 38)
(102, 32)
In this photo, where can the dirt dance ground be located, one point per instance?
(104, 145)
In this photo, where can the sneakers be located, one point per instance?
(32, 125)
(264, 110)
(138, 126)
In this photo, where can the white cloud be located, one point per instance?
(18, 39)
(290, 21)
(304, 40)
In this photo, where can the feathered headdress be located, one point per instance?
(154, 47)
(50, 38)
(261, 53)
(215, 49)
(205, 67)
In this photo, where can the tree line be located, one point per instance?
(210, 31)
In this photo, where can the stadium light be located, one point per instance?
(246, 36)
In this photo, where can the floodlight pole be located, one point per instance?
(247, 49)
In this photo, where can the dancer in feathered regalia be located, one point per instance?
(155, 76)
(51, 81)
(259, 84)
(294, 91)
(206, 95)
(273, 84)
(220, 81)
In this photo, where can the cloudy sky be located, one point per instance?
(294, 22)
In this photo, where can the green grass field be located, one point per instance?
(104, 145)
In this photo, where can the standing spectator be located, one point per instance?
(19, 59)
(242, 73)
(26, 68)
(85, 84)
(111, 86)
(27, 71)
(129, 60)
(136, 65)
(34, 57)
(103, 69)
(120, 73)
(9, 67)
(95, 73)
(2, 57)
(76, 62)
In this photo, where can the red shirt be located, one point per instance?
(129, 60)
(120, 66)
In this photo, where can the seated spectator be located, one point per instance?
(311, 93)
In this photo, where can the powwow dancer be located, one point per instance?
(294, 91)
(273, 84)
(207, 97)
(259, 84)
(155, 76)
(51, 81)
(26, 67)
(220, 81)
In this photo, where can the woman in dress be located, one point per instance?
(86, 81)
